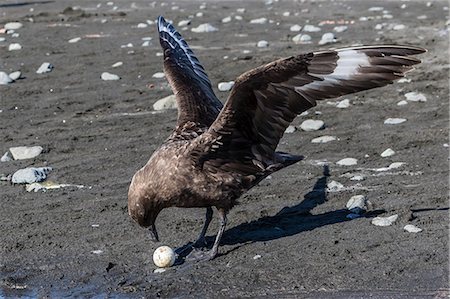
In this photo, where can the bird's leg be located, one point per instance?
(209, 255)
(201, 242)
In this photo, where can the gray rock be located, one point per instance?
(357, 204)
(109, 77)
(25, 152)
(290, 129)
(295, 28)
(14, 47)
(262, 44)
(343, 104)
(5, 79)
(5, 158)
(259, 21)
(384, 221)
(312, 125)
(412, 228)
(335, 186)
(357, 178)
(45, 68)
(15, 75)
(13, 25)
(204, 28)
(394, 121)
(415, 97)
(301, 39)
(347, 162)
(327, 38)
(169, 102)
(30, 175)
(323, 139)
(387, 153)
(311, 28)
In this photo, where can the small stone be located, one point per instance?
(323, 139)
(311, 28)
(159, 75)
(159, 270)
(295, 28)
(327, 38)
(13, 25)
(384, 221)
(199, 14)
(387, 153)
(399, 27)
(259, 21)
(240, 10)
(46, 67)
(74, 40)
(30, 175)
(258, 256)
(109, 77)
(226, 19)
(25, 152)
(312, 125)
(146, 43)
(238, 18)
(14, 47)
(286, 14)
(5, 158)
(142, 25)
(225, 86)
(169, 102)
(97, 251)
(376, 8)
(117, 64)
(412, 228)
(204, 28)
(396, 165)
(340, 29)
(347, 162)
(343, 104)
(15, 75)
(404, 80)
(290, 129)
(2, 39)
(262, 44)
(183, 23)
(335, 186)
(402, 103)
(415, 97)
(5, 79)
(301, 39)
(357, 204)
(357, 178)
(379, 26)
(394, 121)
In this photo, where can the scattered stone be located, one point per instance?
(142, 25)
(46, 67)
(159, 75)
(399, 27)
(129, 45)
(2, 39)
(376, 8)
(347, 162)
(259, 21)
(286, 14)
(258, 256)
(394, 121)
(396, 165)
(97, 251)
(74, 40)
(239, 18)
(323, 139)
(169, 102)
(109, 77)
(415, 97)
(290, 129)
(262, 44)
(15, 75)
(159, 270)
(14, 47)
(5, 79)
(183, 23)
(204, 28)
(357, 178)
(13, 26)
(295, 28)
(340, 29)
(301, 39)
(146, 43)
(343, 104)
(404, 80)
(199, 14)
(334, 186)
(5, 158)
(240, 10)
(35, 187)
(312, 125)
(402, 103)
(225, 86)
(327, 38)
(117, 64)
(379, 26)
(387, 153)
(25, 152)
(30, 175)
(384, 221)
(226, 19)
(311, 28)
(357, 204)
(412, 228)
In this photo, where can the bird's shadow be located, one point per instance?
(288, 221)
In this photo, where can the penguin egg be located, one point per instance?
(164, 257)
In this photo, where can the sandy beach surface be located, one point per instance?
(289, 237)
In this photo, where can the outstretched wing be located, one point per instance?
(266, 99)
(196, 100)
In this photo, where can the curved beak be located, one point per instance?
(153, 233)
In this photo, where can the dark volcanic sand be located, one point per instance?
(308, 247)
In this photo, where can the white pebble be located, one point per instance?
(384, 221)
(226, 19)
(158, 75)
(204, 28)
(129, 45)
(13, 26)
(199, 14)
(2, 39)
(327, 38)
(117, 64)
(295, 28)
(159, 270)
(239, 18)
(376, 8)
(142, 25)
(286, 14)
(357, 204)
(323, 139)
(225, 86)
(312, 125)
(46, 67)
(347, 162)
(290, 129)
(259, 21)
(258, 256)
(396, 165)
(5, 158)
(412, 228)
(340, 29)
(5, 79)
(164, 257)
(240, 10)
(301, 39)
(97, 251)
(183, 23)
(335, 186)
(14, 47)
(399, 27)
(25, 152)
(402, 103)
(109, 77)
(30, 175)
(343, 104)
(262, 44)
(388, 16)
(357, 178)
(169, 102)
(394, 121)
(404, 80)
(387, 153)
(415, 97)
(15, 75)
(311, 28)
(146, 43)
(74, 40)
(379, 26)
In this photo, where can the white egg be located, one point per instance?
(164, 257)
